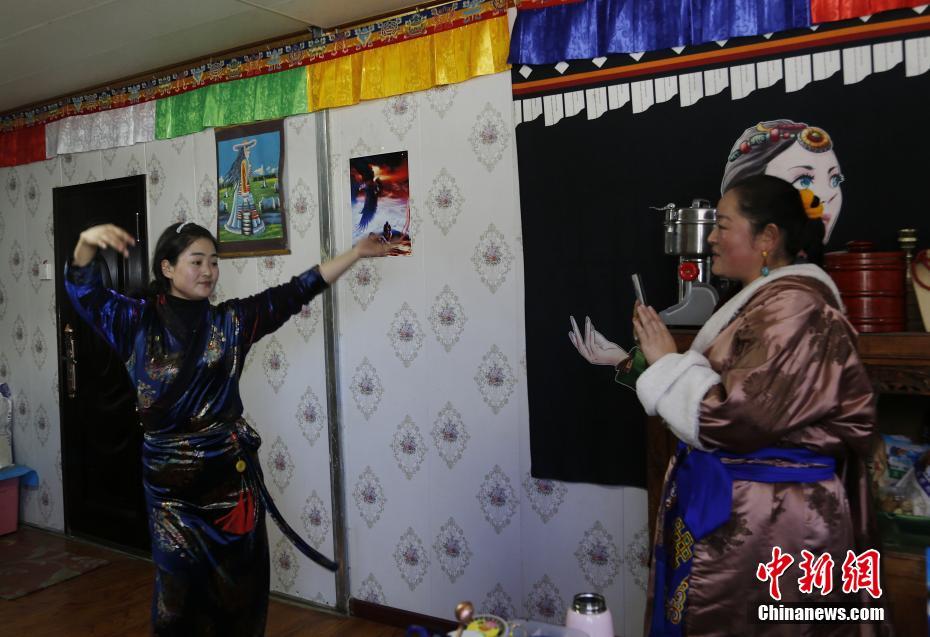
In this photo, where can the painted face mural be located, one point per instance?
(800, 154)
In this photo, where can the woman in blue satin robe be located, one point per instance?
(203, 484)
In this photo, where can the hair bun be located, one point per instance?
(812, 239)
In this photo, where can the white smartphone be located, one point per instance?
(639, 289)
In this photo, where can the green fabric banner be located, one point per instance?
(252, 99)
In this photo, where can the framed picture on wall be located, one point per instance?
(379, 187)
(250, 190)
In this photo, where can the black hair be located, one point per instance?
(173, 241)
(764, 199)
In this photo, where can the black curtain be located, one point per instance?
(586, 188)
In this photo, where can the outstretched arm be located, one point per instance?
(371, 246)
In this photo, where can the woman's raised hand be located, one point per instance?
(593, 347)
(655, 340)
(375, 245)
(99, 237)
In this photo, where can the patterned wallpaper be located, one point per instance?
(441, 506)
(432, 369)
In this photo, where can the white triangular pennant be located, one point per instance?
(720, 42)
(561, 67)
(678, 49)
(637, 56)
(767, 35)
(599, 62)
(525, 71)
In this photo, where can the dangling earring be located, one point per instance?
(765, 263)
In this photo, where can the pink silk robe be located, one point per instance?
(790, 376)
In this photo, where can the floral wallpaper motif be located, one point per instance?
(367, 389)
(19, 335)
(310, 416)
(452, 550)
(284, 563)
(280, 465)
(16, 260)
(308, 318)
(498, 602)
(411, 558)
(33, 195)
(41, 425)
(274, 362)
(35, 271)
(364, 280)
(406, 334)
(156, 181)
(636, 557)
(303, 207)
(447, 318)
(598, 557)
(182, 211)
(409, 448)
(13, 186)
(497, 499)
(545, 496)
(68, 166)
(545, 603)
(369, 497)
(492, 258)
(450, 435)
(441, 98)
(400, 113)
(445, 201)
(269, 270)
(489, 137)
(316, 520)
(371, 591)
(495, 379)
(39, 347)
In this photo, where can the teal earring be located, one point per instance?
(765, 264)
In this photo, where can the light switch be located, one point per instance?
(46, 274)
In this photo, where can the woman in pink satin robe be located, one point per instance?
(776, 416)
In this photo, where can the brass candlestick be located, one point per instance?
(907, 240)
(464, 611)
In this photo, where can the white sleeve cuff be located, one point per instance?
(673, 387)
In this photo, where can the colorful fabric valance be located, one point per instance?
(833, 10)
(447, 57)
(598, 28)
(255, 98)
(107, 129)
(22, 146)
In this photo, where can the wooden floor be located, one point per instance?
(115, 600)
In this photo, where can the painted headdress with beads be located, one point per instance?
(759, 144)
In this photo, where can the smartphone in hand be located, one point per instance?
(639, 289)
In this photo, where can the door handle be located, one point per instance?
(70, 362)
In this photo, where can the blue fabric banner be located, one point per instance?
(597, 28)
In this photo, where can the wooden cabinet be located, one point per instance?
(898, 364)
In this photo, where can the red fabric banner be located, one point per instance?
(22, 146)
(833, 10)
(523, 5)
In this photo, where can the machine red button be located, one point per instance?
(688, 271)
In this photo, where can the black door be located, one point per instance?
(101, 436)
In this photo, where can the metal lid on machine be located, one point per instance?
(701, 211)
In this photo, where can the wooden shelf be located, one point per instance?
(897, 363)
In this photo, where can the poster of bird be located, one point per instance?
(379, 187)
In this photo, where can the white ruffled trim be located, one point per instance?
(673, 387)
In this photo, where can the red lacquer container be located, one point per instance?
(871, 284)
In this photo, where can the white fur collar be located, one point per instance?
(722, 317)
